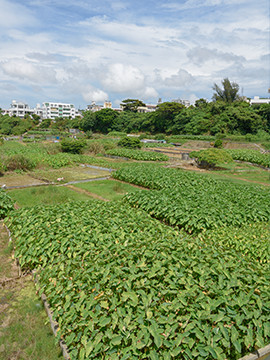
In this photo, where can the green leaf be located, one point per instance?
(104, 321)
(116, 340)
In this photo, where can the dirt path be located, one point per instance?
(83, 191)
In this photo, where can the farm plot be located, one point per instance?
(252, 156)
(195, 202)
(124, 286)
(138, 154)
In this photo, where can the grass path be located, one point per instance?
(83, 191)
(24, 334)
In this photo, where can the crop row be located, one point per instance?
(140, 290)
(195, 202)
(138, 154)
(6, 204)
(248, 240)
(252, 156)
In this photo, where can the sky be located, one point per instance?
(79, 51)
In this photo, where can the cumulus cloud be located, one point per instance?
(122, 78)
(25, 70)
(96, 95)
(181, 79)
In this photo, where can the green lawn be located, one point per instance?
(108, 189)
(242, 171)
(49, 195)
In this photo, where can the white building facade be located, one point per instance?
(18, 109)
(52, 110)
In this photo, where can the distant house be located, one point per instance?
(258, 101)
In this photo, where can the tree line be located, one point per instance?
(228, 113)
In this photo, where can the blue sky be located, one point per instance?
(82, 51)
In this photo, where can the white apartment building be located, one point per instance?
(52, 110)
(19, 109)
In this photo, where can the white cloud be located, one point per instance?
(122, 78)
(25, 70)
(181, 79)
(96, 95)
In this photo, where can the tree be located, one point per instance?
(165, 115)
(131, 104)
(229, 92)
(105, 119)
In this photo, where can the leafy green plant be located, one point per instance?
(218, 144)
(140, 290)
(250, 240)
(6, 204)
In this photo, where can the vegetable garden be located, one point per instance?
(123, 284)
(140, 290)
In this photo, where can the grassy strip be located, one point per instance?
(47, 195)
(109, 189)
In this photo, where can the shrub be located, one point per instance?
(116, 133)
(218, 143)
(96, 148)
(89, 134)
(18, 162)
(73, 146)
(211, 157)
(130, 142)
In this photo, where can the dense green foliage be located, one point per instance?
(130, 142)
(18, 162)
(141, 290)
(252, 156)
(222, 116)
(131, 104)
(48, 155)
(72, 146)
(248, 240)
(138, 154)
(211, 157)
(6, 204)
(195, 202)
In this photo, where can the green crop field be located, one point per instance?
(138, 154)
(179, 271)
(141, 290)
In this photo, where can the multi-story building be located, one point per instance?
(19, 109)
(95, 107)
(52, 110)
(147, 108)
